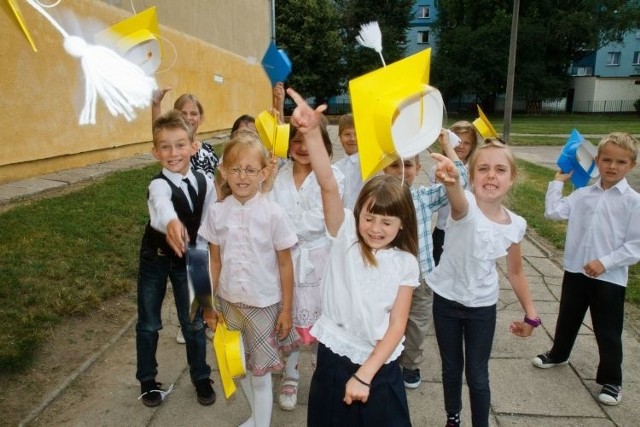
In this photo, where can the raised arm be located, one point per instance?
(308, 120)
(448, 175)
(156, 101)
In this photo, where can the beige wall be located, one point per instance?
(41, 93)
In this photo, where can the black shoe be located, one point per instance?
(151, 393)
(411, 377)
(453, 420)
(206, 395)
(545, 361)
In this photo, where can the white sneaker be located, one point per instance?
(288, 394)
(180, 337)
(610, 394)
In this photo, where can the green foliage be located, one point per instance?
(63, 256)
(309, 31)
(473, 43)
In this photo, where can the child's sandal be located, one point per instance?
(288, 394)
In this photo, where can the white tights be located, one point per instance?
(259, 393)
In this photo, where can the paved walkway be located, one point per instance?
(522, 395)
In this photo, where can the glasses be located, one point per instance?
(248, 171)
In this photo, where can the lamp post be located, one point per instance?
(511, 68)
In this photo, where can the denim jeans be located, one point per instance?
(457, 325)
(155, 268)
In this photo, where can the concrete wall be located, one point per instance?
(594, 95)
(41, 93)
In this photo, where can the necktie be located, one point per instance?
(192, 193)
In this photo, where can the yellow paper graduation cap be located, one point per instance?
(229, 355)
(484, 126)
(136, 39)
(16, 11)
(396, 113)
(274, 136)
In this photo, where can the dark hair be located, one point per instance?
(293, 131)
(387, 195)
(171, 120)
(242, 120)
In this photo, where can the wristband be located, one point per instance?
(354, 376)
(533, 322)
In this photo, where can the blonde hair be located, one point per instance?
(386, 195)
(463, 127)
(240, 145)
(492, 143)
(623, 140)
(345, 122)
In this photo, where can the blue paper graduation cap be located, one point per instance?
(578, 155)
(276, 64)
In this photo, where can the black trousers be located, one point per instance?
(605, 301)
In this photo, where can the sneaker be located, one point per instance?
(180, 337)
(151, 393)
(453, 420)
(545, 361)
(206, 395)
(411, 377)
(610, 394)
(288, 394)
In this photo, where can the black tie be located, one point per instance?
(192, 193)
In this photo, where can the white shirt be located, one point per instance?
(249, 236)
(304, 208)
(161, 210)
(467, 271)
(357, 299)
(603, 224)
(350, 168)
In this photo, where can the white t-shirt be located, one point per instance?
(467, 271)
(357, 299)
(249, 236)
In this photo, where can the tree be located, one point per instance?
(309, 31)
(473, 38)
(393, 18)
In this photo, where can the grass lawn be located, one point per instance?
(64, 256)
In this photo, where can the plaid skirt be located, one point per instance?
(261, 345)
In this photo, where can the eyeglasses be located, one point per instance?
(248, 171)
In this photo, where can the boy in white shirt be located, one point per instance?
(349, 165)
(603, 240)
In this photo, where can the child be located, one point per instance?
(350, 164)
(245, 121)
(250, 240)
(204, 158)
(296, 189)
(371, 273)
(468, 141)
(174, 212)
(465, 283)
(603, 240)
(426, 201)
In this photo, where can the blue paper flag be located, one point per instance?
(578, 155)
(276, 64)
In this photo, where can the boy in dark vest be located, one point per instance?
(177, 199)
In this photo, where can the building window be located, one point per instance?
(613, 58)
(423, 12)
(423, 37)
(636, 58)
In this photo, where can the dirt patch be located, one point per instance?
(67, 347)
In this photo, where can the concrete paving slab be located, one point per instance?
(25, 188)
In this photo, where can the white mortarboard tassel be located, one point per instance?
(122, 85)
(371, 37)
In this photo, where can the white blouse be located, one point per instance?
(357, 298)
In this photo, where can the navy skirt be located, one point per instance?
(387, 404)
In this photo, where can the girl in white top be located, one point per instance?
(468, 142)
(465, 283)
(250, 240)
(366, 294)
(296, 189)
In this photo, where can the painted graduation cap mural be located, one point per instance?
(136, 39)
(23, 25)
(276, 64)
(396, 113)
(484, 126)
(274, 136)
(578, 155)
